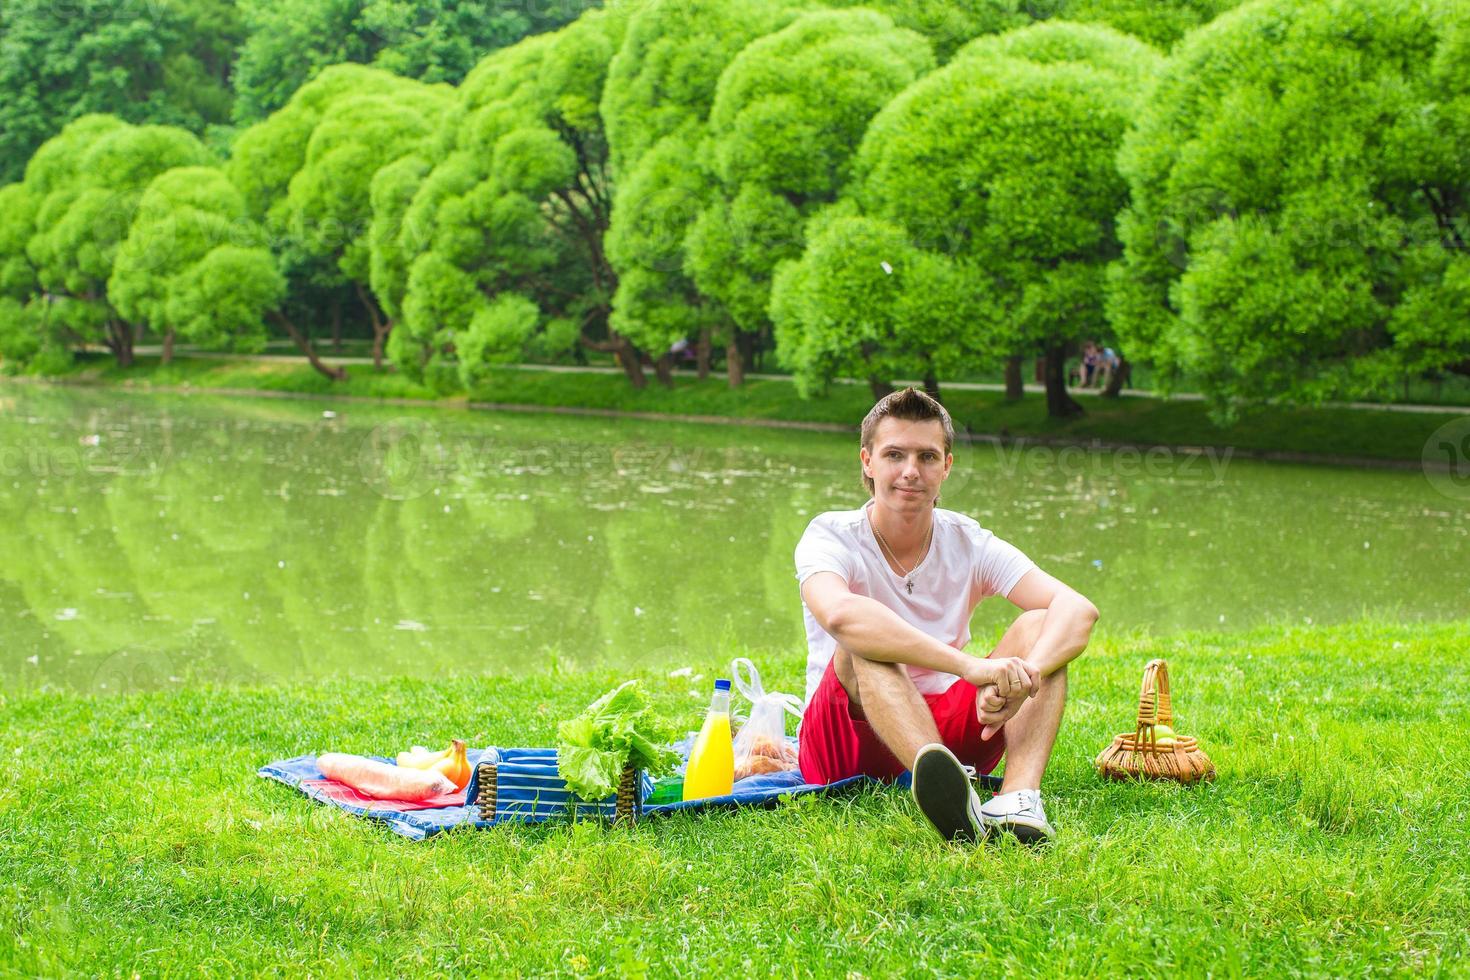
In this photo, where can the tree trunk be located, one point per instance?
(734, 365)
(381, 325)
(663, 368)
(380, 340)
(1015, 387)
(1059, 404)
(302, 342)
(1118, 378)
(701, 353)
(879, 387)
(1039, 375)
(627, 356)
(748, 358)
(931, 386)
(168, 346)
(337, 321)
(121, 342)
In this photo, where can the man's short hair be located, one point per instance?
(911, 405)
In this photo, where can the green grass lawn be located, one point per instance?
(136, 839)
(1341, 432)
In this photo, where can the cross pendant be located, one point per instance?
(910, 586)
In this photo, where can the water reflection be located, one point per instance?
(164, 540)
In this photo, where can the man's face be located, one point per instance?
(907, 463)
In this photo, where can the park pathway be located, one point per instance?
(337, 359)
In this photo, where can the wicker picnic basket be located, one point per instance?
(487, 793)
(1137, 754)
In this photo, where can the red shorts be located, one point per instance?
(835, 745)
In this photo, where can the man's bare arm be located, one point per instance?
(866, 628)
(1069, 619)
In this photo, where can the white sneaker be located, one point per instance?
(1020, 813)
(942, 789)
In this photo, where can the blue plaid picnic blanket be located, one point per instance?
(517, 800)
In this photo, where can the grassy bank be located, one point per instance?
(1325, 432)
(134, 837)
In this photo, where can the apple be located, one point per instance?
(1163, 736)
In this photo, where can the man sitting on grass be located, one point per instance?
(888, 591)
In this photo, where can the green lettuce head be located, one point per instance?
(614, 731)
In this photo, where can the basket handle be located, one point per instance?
(1154, 707)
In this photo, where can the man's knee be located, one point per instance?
(858, 674)
(1022, 634)
(1030, 623)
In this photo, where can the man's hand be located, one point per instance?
(995, 711)
(1004, 684)
(1010, 676)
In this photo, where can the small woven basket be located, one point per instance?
(1137, 754)
(628, 809)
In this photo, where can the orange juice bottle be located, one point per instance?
(711, 770)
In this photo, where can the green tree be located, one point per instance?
(1301, 202)
(656, 303)
(306, 174)
(510, 218)
(17, 224)
(168, 274)
(146, 61)
(389, 250)
(1159, 22)
(864, 302)
(661, 86)
(1004, 161)
(20, 336)
(950, 24)
(290, 41)
(195, 264)
(788, 113)
(86, 182)
(329, 204)
(659, 94)
(265, 157)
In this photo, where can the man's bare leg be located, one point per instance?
(883, 695)
(1032, 732)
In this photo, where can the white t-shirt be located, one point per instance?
(965, 564)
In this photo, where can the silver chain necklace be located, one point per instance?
(907, 581)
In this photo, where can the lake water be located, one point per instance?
(157, 540)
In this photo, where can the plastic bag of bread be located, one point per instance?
(761, 746)
(382, 780)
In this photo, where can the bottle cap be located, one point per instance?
(722, 685)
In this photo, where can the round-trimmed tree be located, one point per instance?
(1003, 162)
(661, 87)
(164, 275)
(1301, 203)
(864, 302)
(515, 204)
(788, 114)
(86, 182)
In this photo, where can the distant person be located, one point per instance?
(1108, 361)
(1087, 369)
(887, 593)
